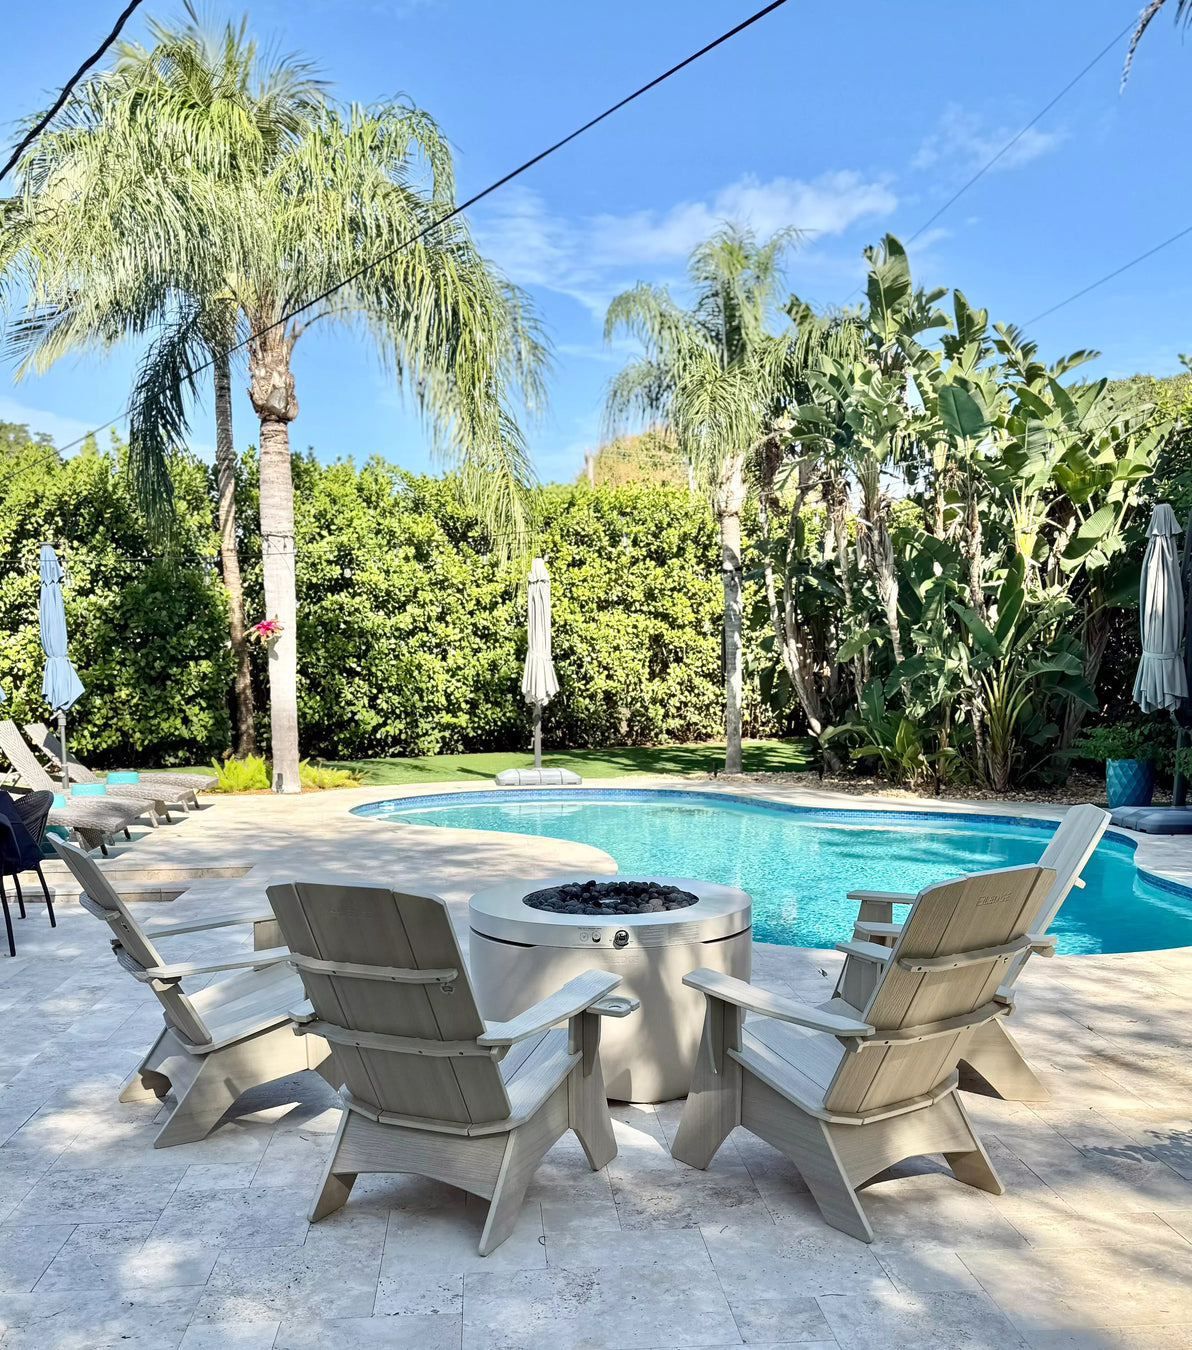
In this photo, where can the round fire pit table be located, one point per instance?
(520, 954)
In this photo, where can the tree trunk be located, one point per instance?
(976, 563)
(730, 498)
(272, 394)
(225, 470)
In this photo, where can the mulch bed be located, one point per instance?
(1080, 787)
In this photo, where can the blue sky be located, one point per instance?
(845, 120)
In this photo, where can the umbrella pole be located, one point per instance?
(538, 735)
(65, 760)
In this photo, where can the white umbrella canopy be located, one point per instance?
(1162, 682)
(539, 682)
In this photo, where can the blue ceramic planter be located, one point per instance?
(1129, 782)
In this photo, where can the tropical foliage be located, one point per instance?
(955, 622)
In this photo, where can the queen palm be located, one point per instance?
(97, 186)
(714, 375)
(325, 229)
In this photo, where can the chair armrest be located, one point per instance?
(870, 928)
(713, 984)
(271, 957)
(303, 1013)
(882, 897)
(575, 997)
(1042, 944)
(173, 929)
(867, 951)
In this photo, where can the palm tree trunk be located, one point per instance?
(272, 394)
(225, 471)
(730, 498)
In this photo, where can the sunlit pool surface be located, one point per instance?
(798, 862)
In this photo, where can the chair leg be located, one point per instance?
(587, 1105)
(12, 946)
(16, 881)
(335, 1187)
(524, 1149)
(45, 890)
(713, 1107)
(971, 1165)
(147, 1082)
(223, 1075)
(996, 1056)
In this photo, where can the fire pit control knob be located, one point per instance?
(621, 938)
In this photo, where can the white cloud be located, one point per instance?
(964, 136)
(592, 258)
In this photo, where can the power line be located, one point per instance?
(43, 122)
(463, 206)
(1109, 276)
(1013, 141)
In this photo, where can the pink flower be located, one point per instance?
(265, 631)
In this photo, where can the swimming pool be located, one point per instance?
(798, 862)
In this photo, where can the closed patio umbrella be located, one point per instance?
(1161, 682)
(539, 683)
(60, 685)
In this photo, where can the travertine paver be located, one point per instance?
(106, 1242)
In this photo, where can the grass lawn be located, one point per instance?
(772, 756)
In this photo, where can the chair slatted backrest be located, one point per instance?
(19, 754)
(101, 900)
(388, 983)
(1067, 851)
(951, 929)
(50, 745)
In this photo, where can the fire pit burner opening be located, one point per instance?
(610, 897)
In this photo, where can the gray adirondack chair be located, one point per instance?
(429, 1088)
(992, 1051)
(95, 820)
(174, 788)
(218, 1041)
(847, 1092)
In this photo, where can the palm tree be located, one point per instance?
(714, 375)
(228, 109)
(339, 200)
(1150, 11)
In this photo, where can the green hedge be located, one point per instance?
(411, 632)
(147, 623)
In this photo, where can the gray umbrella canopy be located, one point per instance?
(539, 682)
(1162, 682)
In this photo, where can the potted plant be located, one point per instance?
(1130, 754)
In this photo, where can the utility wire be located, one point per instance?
(1013, 141)
(43, 122)
(463, 206)
(1109, 276)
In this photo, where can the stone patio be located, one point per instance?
(106, 1242)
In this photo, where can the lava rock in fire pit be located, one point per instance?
(610, 897)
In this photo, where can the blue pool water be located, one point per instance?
(798, 862)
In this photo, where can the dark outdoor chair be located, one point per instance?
(22, 825)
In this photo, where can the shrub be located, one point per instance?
(250, 774)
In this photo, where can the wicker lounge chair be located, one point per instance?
(991, 1050)
(218, 1041)
(179, 788)
(846, 1092)
(94, 819)
(429, 1088)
